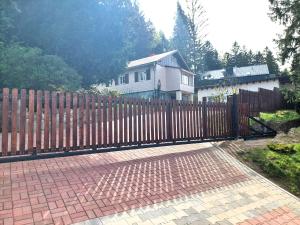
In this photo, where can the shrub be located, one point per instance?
(283, 148)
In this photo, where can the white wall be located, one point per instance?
(229, 90)
(132, 87)
(170, 79)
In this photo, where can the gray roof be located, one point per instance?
(251, 70)
(156, 58)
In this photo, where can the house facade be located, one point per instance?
(218, 84)
(164, 76)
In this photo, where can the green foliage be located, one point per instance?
(280, 116)
(24, 67)
(95, 37)
(188, 34)
(278, 164)
(283, 148)
(287, 13)
(240, 56)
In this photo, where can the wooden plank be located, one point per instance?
(94, 143)
(23, 121)
(121, 121)
(178, 119)
(144, 129)
(130, 120)
(204, 118)
(164, 118)
(81, 121)
(5, 109)
(148, 122)
(61, 121)
(110, 127)
(100, 121)
(53, 120)
(135, 121)
(139, 105)
(105, 122)
(46, 120)
(75, 121)
(152, 124)
(68, 121)
(125, 122)
(116, 131)
(87, 122)
(39, 109)
(31, 121)
(14, 120)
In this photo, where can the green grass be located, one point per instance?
(280, 164)
(280, 116)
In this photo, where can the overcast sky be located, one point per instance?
(245, 21)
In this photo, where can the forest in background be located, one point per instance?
(73, 44)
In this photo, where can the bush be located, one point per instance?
(279, 161)
(283, 148)
(29, 68)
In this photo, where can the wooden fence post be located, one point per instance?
(204, 113)
(235, 116)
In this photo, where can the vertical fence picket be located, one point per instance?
(38, 133)
(125, 122)
(121, 121)
(5, 109)
(23, 113)
(100, 121)
(53, 120)
(75, 120)
(110, 126)
(68, 121)
(87, 121)
(61, 120)
(46, 120)
(94, 123)
(81, 121)
(14, 122)
(116, 122)
(105, 122)
(31, 121)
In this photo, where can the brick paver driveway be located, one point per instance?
(187, 184)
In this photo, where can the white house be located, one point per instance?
(251, 78)
(166, 76)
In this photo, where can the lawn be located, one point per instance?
(278, 161)
(280, 116)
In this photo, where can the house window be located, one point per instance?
(124, 79)
(148, 74)
(136, 77)
(185, 79)
(191, 81)
(142, 76)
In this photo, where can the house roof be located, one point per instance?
(251, 70)
(157, 58)
(231, 81)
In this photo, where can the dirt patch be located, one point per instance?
(284, 126)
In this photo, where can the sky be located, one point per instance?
(244, 21)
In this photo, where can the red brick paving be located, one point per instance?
(75, 189)
(279, 216)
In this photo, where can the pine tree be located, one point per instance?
(271, 61)
(211, 59)
(188, 34)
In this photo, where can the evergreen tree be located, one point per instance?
(181, 37)
(188, 34)
(211, 59)
(259, 58)
(271, 61)
(95, 37)
(161, 43)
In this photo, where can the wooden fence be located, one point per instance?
(262, 101)
(42, 121)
